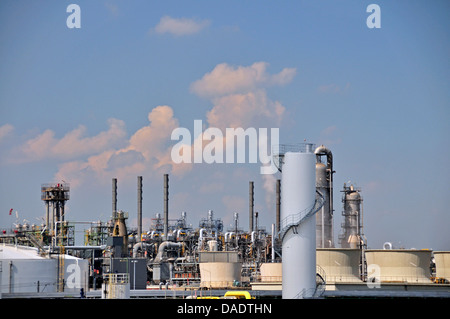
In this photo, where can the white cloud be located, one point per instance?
(5, 130)
(225, 79)
(73, 145)
(251, 109)
(180, 26)
(239, 99)
(147, 151)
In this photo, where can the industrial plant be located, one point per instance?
(297, 258)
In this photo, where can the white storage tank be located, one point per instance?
(400, 265)
(340, 265)
(25, 271)
(442, 261)
(271, 272)
(298, 185)
(219, 274)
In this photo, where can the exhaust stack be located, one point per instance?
(139, 208)
(166, 206)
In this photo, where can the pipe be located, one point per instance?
(166, 205)
(153, 233)
(163, 247)
(273, 243)
(139, 246)
(250, 206)
(324, 151)
(278, 205)
(253, 236)
(139, 208)
(320, 151)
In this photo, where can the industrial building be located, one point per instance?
(298, 258)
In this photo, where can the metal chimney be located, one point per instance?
(114, 196)
(166, 206)
(250, 207)
(139, 207)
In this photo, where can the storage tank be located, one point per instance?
(340, 265)
(271, 272)
(25, 271)
(219, 274)
(298, 225)
(401, 265)
(442, 261)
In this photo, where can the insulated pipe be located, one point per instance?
(166, 206)
(139, 246)
(164, 246)
(253, 236)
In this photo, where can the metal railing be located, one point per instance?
(294, 220)
(318, 290)
(278, 151)
(116, 278)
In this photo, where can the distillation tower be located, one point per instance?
(324, 184)
(352, 234)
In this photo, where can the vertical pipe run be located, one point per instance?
(166, 205)
(114, 196)
(47, 220)
(139, 208)
(273, 243)
(278, 191)
(250, 207)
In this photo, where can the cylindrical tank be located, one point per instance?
(25, 271)
(442, 261)
(340, 265)
(212, 245)
(271, 272)
(219, 274)
(299, 243)
(400, 265)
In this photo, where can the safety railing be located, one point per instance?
(294, 220)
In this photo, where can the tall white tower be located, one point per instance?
(297, 221)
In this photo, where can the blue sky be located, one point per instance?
(89, 104)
